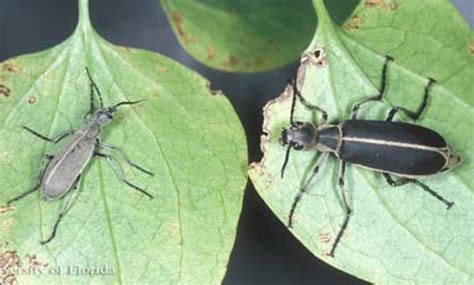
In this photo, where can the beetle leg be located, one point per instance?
(23, 195)
(347, 208)
(303, 189)
(382, 89)
(38, 181)
(119, 172)
(76, 183)
(394, 183)
(55, 139)
(432, 192)
(285, 162)
(392, 114)
(123, 155)
(313, 108)
(414, 115)
(425, 187)
(293, 101)
(67, 205)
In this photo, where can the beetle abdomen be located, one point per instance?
(66, 166)
(399, 148)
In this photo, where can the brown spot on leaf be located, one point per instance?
(471, 48)
(163, 69)
(177, 20)
(32, 99)
(10, 280)
(8, 67)
(374, 3)
(268, 181)
(5, 91)
(257, 167)
(319, 57)
(324, 238)
(393, 5)
(211, 52)
(260, 170)
(232, 61)
(6, 225)
(316, 57)
(5, 209)
(260, 61)
(35, 264)
(9, 259)
(354, 23)
(9, 263)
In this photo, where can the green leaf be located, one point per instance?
(395, 235)
(188, 135)
(246, 36)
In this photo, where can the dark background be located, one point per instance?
(265, 252)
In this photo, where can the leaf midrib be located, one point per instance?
(100, 46)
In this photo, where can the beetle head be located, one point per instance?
(105, 115)
(300, 136)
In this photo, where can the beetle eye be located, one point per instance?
(283, 137)
(298, 146)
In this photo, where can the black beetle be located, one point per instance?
(408, 151)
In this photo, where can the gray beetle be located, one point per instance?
(63, 171)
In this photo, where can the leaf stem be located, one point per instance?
(84, 23)
(324, 20)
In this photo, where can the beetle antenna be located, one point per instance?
(287, 156)
(93, 85)
(292, 82)
(127, 103)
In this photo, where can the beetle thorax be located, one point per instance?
(102, 116)
(97, 120)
